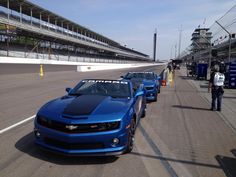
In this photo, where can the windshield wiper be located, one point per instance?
(75, 94)
(119, 96)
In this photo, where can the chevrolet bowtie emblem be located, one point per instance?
(71, 127)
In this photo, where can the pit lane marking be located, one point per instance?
(17, 124)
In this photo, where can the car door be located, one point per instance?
(138, 105)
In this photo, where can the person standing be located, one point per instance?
(170, 67)
(216, 84)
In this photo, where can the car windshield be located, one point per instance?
(116, 89)
(145, 75)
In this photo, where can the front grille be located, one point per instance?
(148, 95)
(149, 88)
(77, 128)
(72, 146)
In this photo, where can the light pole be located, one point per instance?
(229, 39)
(180, 35)
(175, 50)
(171, 51)
(154, 45)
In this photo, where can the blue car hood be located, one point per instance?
(86, 106)
(145, 82)
(149, 82)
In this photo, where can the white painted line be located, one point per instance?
(15, 125)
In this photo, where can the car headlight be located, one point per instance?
(113, 125)
(43, 121)
(109, 126)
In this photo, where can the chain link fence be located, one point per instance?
(228, 21)
(220, 39)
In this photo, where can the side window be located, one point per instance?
(135, 88)
(138, 87)
(141, 86)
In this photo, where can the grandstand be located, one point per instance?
(30, 31)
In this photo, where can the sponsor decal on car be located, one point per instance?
(106, 81)
(143, 72)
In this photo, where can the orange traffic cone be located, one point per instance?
(164, 78)
(163, 83)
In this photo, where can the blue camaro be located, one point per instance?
(97, 117)
(150, 80)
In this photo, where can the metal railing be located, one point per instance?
(26, 25)
(223, 36)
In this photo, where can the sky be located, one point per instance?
(133, 22)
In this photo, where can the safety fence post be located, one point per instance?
(41, 71)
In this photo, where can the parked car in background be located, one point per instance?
(150, 80)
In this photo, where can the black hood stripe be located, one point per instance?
(83, 105)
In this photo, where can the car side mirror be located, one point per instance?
(68, 90)
(158, 77)
(121, 76)
(139, 93)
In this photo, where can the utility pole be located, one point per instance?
(154, 45)
(171, 51)
(180, 35)
(175, 50)
(229, 39)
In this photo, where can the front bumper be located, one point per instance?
(89, 144)
(151, 95)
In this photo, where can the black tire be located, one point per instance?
(143, 113)
(155, 99)
(130, 143)
(145, 108)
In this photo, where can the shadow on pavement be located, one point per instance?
(175, 160)
(193, 78)
(187, 77)
(229, 97)
(190, 107)
(204, 85)
(26, 145)
(228, 164)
